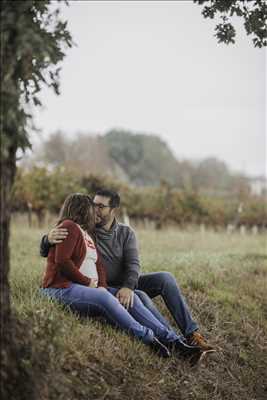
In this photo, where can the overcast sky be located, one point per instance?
(155, 67)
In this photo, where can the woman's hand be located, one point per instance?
(93, 283)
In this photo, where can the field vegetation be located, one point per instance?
(224, 278)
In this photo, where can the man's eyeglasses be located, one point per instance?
(100, 206)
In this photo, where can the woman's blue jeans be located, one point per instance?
(138, 320)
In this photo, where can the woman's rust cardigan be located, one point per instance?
(65, 259)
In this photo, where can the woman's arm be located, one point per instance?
(64, 251)
(73, 274)
(101, 270)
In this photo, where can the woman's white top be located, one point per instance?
(88, 267)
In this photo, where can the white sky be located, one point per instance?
(155, 67)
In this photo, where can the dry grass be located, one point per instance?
(224, 279)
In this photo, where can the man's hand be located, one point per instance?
(57, 235)
(125, 297)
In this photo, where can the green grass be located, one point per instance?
(223, 277)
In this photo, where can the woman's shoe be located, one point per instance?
(160, 348)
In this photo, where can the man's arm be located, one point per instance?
(132, 267)
(131, 261)
(44, 246)
(56, 235)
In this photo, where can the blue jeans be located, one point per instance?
(139, 321)
(165, 285)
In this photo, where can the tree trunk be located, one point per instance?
(40, 217)
(29, 205)
(8, 170)
(8, 362)
(16, 381)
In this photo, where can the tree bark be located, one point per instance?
(16, 381)
(8, 171)
(8, 353)
(29, 205)
(40, 217)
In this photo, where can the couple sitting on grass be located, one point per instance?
(93, 267)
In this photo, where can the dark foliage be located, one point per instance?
(253, 13)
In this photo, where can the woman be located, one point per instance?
(76, 277)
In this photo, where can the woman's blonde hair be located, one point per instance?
(79, 208)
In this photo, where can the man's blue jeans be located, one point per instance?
(165, 285)
(100, 302)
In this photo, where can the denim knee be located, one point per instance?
(167, 278)
(143, 296)
(106, 299)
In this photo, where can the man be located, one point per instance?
(117, 245)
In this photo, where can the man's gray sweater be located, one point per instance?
(118, 249)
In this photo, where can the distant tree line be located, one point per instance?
(39, 190)
(138, 159)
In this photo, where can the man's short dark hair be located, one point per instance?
(114, 198)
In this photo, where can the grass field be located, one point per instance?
(223, 277)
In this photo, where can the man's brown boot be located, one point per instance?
(196, 339)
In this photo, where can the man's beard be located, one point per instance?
(101, 223)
